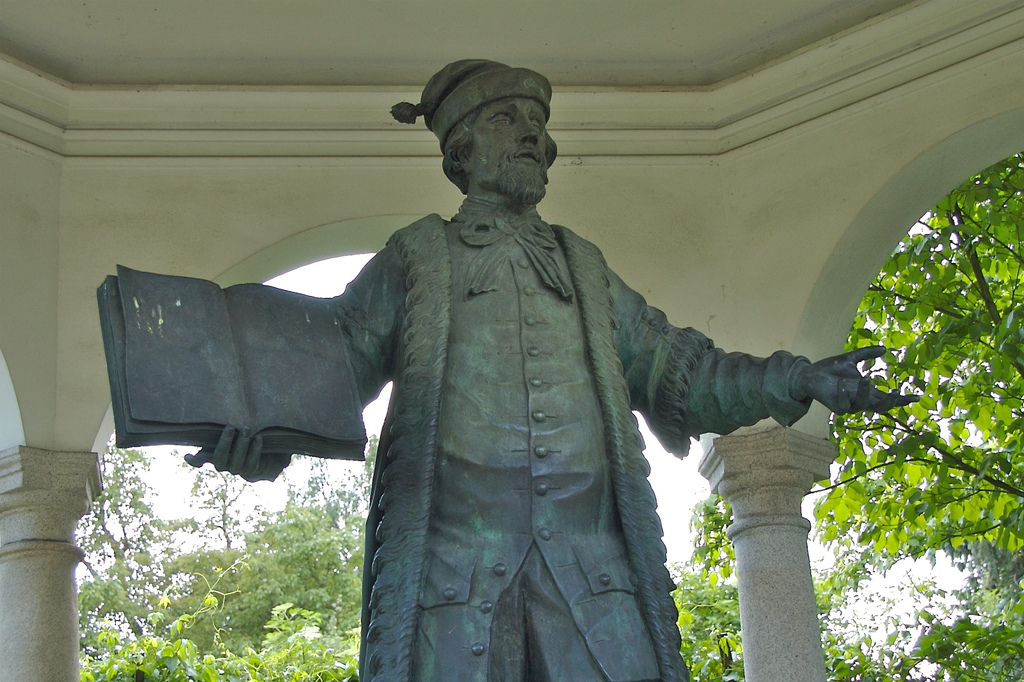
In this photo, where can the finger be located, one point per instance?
(239, 451)
(252, 458)
(223, 449)
(859, 355)
(883, 402)
(198, 459)
(271, 466)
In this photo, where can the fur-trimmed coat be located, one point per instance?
(396, 316)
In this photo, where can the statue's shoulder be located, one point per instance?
(428, 223)
(422, 235)
(422, 249)
(579, 250)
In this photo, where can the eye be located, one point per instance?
(501, 118)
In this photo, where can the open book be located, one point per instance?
(186, 358)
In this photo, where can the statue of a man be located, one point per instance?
(513, 534)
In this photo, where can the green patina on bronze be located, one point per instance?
(512, 535)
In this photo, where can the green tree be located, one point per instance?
(309, 554)
(126, 550)
(707, 599)
(945, 474)
(296, 556)
(226, 566)
(709, 623)
(292, 651)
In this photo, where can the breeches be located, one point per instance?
(533, 638)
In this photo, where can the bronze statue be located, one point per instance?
(513, 534)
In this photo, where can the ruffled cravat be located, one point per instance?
(495, 232)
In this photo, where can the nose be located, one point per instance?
(529, 133)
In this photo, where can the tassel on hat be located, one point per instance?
(406, 112)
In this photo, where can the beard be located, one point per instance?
(522, 181)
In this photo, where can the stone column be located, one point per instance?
(764, 475)
(43, 494)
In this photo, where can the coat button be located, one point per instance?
(523, 263)
(539, 416)
(530, 320)
(541, 488)
(604, 579)
(486, 606)
(500, 569)
(529, 291)
(544, 533)
(540, 451)
(535, 382)
(533, 351)
(477, 649)
(449, 593)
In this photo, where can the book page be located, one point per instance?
(180, 360)
(295, 366)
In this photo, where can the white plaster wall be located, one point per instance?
(903, 198)
(29, 233)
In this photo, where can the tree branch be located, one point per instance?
(971, 250)
(983, 228)
(845, 481)
(962, 465)
(916, 301)
(981, 284)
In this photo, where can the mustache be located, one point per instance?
(531, 153)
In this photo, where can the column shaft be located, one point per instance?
(764, 476)
(43, 494)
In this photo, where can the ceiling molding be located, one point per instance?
(863, 63)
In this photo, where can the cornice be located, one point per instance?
(893, 51)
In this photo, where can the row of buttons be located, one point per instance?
(540, 487)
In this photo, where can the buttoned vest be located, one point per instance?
(522, 461)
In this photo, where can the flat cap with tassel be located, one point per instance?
(466, 85)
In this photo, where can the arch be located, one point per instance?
(340, 238)
(887, 217)
(884, 221)
(358, 235)
(12, 432)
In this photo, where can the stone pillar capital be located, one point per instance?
(768, 471)
(44, 493)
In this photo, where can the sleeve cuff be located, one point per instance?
(778, 401)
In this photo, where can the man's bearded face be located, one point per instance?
(508, 154)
